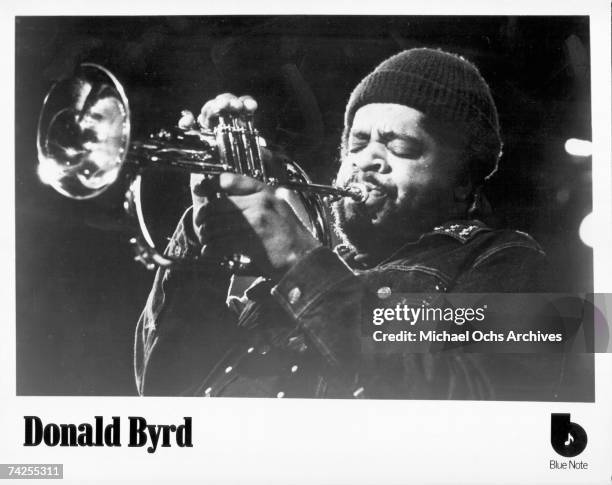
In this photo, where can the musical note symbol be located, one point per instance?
(570, 439)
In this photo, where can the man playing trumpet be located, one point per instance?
(421, 134)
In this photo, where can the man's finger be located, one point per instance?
(249, 104)
(242, 239)
(208, 117)
(234, 184)
(223, 103)
(225, 228)
(226, 103)
(239, 232)
(244, 202)
(216, 210)
(203, 186)
(187, 120)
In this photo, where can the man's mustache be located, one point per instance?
(372, 181)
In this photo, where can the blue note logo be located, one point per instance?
(567, 438)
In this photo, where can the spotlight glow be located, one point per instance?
(578, 148)
(587, 230)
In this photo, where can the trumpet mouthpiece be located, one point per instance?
(358, 192)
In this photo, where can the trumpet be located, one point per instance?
(84, 144)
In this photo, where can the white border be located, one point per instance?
(294, 441)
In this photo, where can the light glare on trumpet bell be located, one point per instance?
(76, 182)
(47, 171)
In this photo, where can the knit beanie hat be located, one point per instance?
(443, 86)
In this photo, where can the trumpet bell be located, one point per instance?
(83, 133)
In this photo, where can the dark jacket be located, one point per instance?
(303, 336)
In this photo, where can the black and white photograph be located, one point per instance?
(398, 210)
(411, 155)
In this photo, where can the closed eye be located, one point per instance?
(358, 142)
(357, 147)
(405, 147)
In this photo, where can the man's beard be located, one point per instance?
(376, 235)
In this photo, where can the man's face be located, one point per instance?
(410, 177)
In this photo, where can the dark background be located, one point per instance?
(79, 293)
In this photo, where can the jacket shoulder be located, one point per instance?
(496, 242)
(478, 242)
(495, 260)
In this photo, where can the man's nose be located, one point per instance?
(372, 159)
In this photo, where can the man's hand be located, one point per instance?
(245, 216)
(250, 218)
(225, 103)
